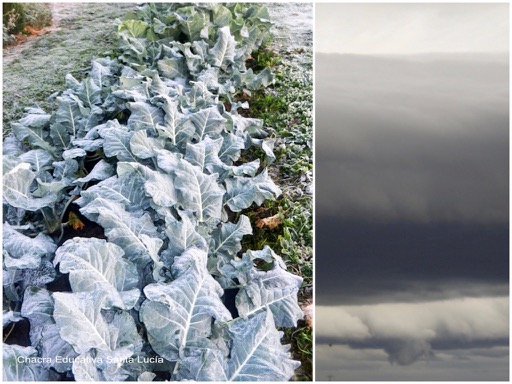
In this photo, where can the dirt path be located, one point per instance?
(60, 12)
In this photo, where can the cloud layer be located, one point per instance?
(407, 332)
(412, 215)
(465, 319)
(366, 262)
(344, 363)
(422, 139)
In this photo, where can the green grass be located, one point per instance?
(286, 108)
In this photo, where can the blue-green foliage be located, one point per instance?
(162, 128)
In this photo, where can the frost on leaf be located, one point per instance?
(181, 312)
(257, 353)
(94, 264)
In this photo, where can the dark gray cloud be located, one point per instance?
(412, 217)
(411, 176)
(422, 139)
(367, 262)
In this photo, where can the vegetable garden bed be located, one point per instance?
(128, 210)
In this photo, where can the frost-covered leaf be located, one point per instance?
(231, 148)
(251, 81)
(101, 71)
(221, 15)
(21, 251)
(144, 116)
(16, 365)
(9, 317)
(182, 311)
(172, 67)
(31, 127)
(125, 342)
(134, 28)
(101, 171)
(38, 277)
(267, 145)
(125, 229)
(35, 136)
(205, 155)
(126, 188)
(241, 192)
(90, 94)
(191, 22)
(117, 141)
(176, 126)
(59, 351)
(108, 365)
(182, 234)
(21, 263)
(68, 114)
(223, 53)
(247, 169)
(85, 370)
(275, 290)
(12, 146)
(198, 192)
(35, 117)
(257, 353)
(146, 376)
(60, 136)
(78, 316)
(207, 122)
(73, 153)
(39, 159)
(38, 308)
(161, 188)
(64, 173)
(203, 361)
(92, 141)
(132, 87)
(226, 239)
(94, 264)
(169, 161)
(248, 126)
(143, 146)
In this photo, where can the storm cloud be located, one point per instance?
(412, 217)
(367, 262)
(421, 139)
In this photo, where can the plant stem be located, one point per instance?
(62, 218)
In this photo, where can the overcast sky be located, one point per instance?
(384, 28)
(411, 198)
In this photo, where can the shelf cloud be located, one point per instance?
(407, 332)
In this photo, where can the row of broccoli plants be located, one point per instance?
(148, 146)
